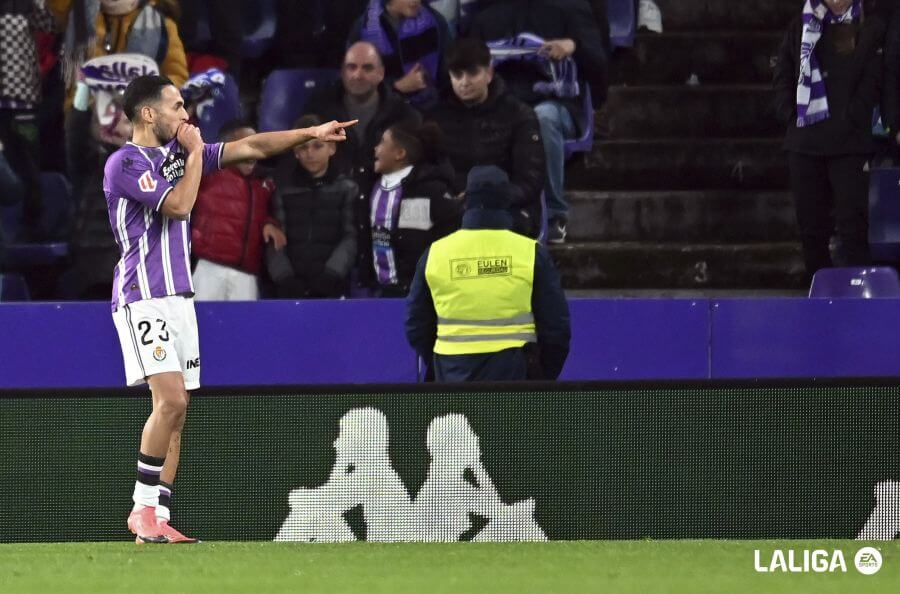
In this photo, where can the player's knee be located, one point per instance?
(173, 408)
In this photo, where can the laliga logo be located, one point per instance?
(867, 561)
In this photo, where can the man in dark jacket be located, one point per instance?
(486, 301)
(361, 95)
(829, 136)
(484, 124)
(570, 31)
(314, 205)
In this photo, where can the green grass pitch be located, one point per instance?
(647, 567)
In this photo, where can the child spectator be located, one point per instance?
(411, 205)
(229, 226)
(314, 205)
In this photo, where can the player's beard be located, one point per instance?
(163, 135)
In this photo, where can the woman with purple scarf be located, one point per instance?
(827, 84)
(411, 38)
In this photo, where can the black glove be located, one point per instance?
(291, 288)
(328, 285)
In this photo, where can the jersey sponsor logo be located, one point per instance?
(146, 182)
(466, 268)
(173, 167)
(193, 363)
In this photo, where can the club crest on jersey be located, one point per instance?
(159, 353)
(173, 167)
(146, 182)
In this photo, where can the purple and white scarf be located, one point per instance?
(373, 32)
(812, 99)
(560, 76)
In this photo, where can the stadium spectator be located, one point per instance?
(124, 26)
(229, 226)
(313, 33)
(411, 38)
(314, 204)
(570, 31)
(11, 192)
(485, 301)
(20, 96)
(484, 124)
(411, 205)
(92, 135)
(362, 95)
(828, 115)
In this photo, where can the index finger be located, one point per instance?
(347, 124)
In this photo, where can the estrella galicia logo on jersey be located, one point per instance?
(173, 167)
(146, 182)
(159, 353)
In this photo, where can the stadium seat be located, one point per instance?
(59, 209)
(855, 283)
(286, 92)
(622, 22)
(585, 142)
(13, 288)
(884, 214)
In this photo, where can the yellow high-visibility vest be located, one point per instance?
(480, 281)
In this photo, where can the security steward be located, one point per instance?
(485, 301)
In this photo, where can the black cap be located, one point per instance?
(488, 188)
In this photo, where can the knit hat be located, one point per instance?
(488, 188)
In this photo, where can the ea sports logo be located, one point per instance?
(868, 560)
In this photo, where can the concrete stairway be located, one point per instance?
(686, 189)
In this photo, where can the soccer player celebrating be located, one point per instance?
(151, 185)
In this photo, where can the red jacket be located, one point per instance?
(228, 219)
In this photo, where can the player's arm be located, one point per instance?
(180, 200)
(267, 144)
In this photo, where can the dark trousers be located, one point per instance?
(21, 145)
(831, 195)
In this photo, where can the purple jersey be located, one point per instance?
(155, 250)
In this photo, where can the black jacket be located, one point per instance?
(355, 157)
(317, 217)
(852, 81)
(504, 132)
(432, 182)
(548, 304)
(550, 19)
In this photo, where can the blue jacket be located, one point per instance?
(548, 304)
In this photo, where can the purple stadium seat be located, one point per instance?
(884, 214)
(59, 208)
(285, 94)
(622, 22)
(855, 283)
(585, 142)
(13, 288)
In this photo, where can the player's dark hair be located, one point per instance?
(232, 126)
(468, 54)
(143, 90)
(423, 143)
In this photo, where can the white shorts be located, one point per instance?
(159, 335)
